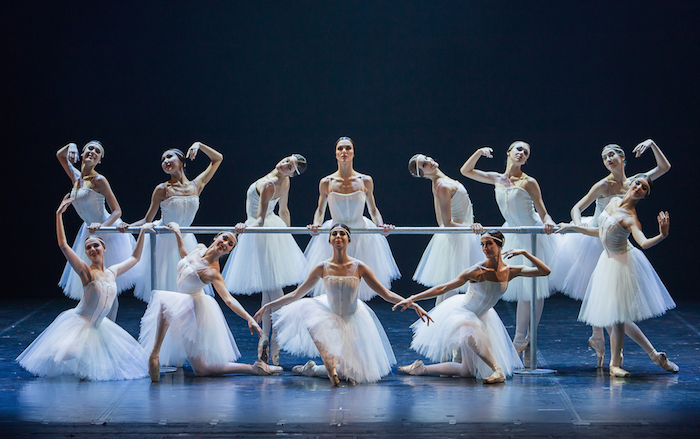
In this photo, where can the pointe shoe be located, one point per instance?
(599, 348)
(497, 377)
(306, 369)
(335, 380)
(521, 345)
(261, 368)
(662, 360)
(154, 369)
(618, 372)
(415, 368)
(264, 348)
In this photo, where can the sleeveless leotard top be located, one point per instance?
(482, 296)
(341, 291)
(89, 204)
(347, 208)
(252, 201)
(613, 236)
(516, 206)
(98, 297)
(461, 206)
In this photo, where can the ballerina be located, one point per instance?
(624, 288)
(338, 326)
(577, 254)
(346, 192)
(468, 322)
(520, 200)
(81, 341)
(90, 192)
(178, 199)
(267, 262)
(188, 324)
(446, 255)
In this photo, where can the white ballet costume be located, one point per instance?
(197, 329)
(517, 208)
(577, 255)
(182, 210)
(372, 249)
(624, 287)
(465, 316)
(447, 255)
(90, 206)
(345, 326)
(263, 262)
(82, 342)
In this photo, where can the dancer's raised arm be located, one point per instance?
(662, 163)
(124, 266)
(539, 269)
(216, 158)
(469, 170)
(80, 267)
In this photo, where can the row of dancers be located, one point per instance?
(261, 263)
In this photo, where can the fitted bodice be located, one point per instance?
(89, 204)
(600, 205)
(180, 209)
(461, 206)
(188, 280)
(252, 201)
(516, 206)
(613, 236)
(341, 291)
(482, 296)
(347, 208)
(98, 297)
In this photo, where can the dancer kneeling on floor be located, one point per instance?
(468, 322)
(338, 326)
(188, 324)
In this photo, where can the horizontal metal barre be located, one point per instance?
(213, 230)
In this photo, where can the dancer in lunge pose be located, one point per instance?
(266, 263)
(189, 325)
(81, 341)
(468, 322)
(338, 326)
(446, 255)
(346, 192)
(90, 192)
(577, 254)
(520, 200)
(624, 288)
(178, 200)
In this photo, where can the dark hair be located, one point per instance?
(96, 143)
(497, 236)
(179, 155)
(347, 229)
(617, 148)
(647, 178)
(301, 163)
(345, 138)
(518, 142)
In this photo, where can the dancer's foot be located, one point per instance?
(520, 345)
(415, 368)
(333, 376)
(662, 360)
(260, 368)
(497, 377)
(618, 372)
(306, 369)
(598, 346)
(154, 368)
(264, 348)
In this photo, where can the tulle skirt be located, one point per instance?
(372, 249)
(446, 256)
(453, 325)
(119, 246)
(264, 262)
(624, 288)
(72, 346)
(198, 329)
(357, 340)
(520, 288)
(574, 261)
(167, 257)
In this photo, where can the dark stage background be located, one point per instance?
(259, 80)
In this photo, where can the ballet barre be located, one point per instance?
(533, 231)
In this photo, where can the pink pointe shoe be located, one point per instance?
(618, 372)
(415, 368)
(598, 346)
(662, 360)
(497, 377)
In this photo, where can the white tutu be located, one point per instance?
(357, 340)
(372, 249)
(573, 264)
(119, 247)
(446, 256)
(73, 346)
(453, 324)
(264, 261)
(198, 329)
(624, 288)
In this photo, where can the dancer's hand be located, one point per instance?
(486, 152)
(639, 149)
(173, 227)
(67, 199)
(387, 228)
(515, 252)
(405, 303)
(564, 228)
(122, 226)
(254, 327)
(477, 228)
(72, 154)
(259, 315)
(194, 149)
(148, 227)
(94, 227)
(424, 317)
(548, 228)
(239, 228)
(664, 223)
(313, 228)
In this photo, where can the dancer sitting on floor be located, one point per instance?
(624, 287)
(468, 322)
(188, 324)
(81, 341)
(338, 326)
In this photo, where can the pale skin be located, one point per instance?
(346, 181)
(493, 269)
(339, 265)
(207, 265)
(89, 178)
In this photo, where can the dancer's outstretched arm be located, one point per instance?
(129, 262)
(539, 269)
(297, 294)
(664, 221)
(662, 163)
(470, 273)
(469, 170)
(367, 274)
(216, 158)
(220, 287)
(565, 228)
(80, 267)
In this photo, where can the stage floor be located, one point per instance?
(576, 401)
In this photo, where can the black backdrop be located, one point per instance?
(260, 80)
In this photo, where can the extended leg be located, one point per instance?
(274, 346)
(329, 362)
(597, 342)
(617, 341)
(153, 361)
(201, 368)
(636, 334)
